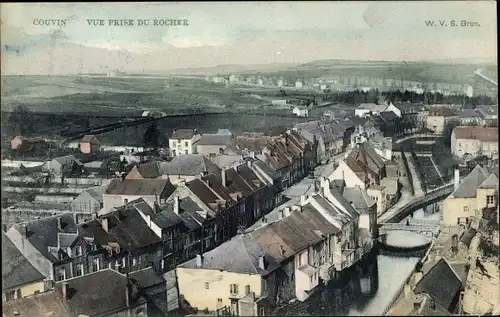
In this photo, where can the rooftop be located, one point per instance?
(441, 111)
(215, 139)
(139, 187)
(183, 134)
(482, 133)
(468, 187)
(16, 269)
(189, 164)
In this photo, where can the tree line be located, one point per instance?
(427, 98)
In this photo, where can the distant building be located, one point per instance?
(489, 114)
(121, 191)
(365, 109)
(438, 117)
(300, 111)
(183, 141)
(88, 203)
(64, 166)
(20, 143)
(213, 144)
(469, 91)
(475, 141)
(469, 116)
(299, 84)
(89, 144)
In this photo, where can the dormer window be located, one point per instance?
(79, 250)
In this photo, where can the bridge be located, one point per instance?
(431, 197)
(427, 227)
(418, 135)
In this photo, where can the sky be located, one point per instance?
(220, 33)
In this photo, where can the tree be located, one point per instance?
(152, 137)
(22, 120)
(448, 130)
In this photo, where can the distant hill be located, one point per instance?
(231, 69)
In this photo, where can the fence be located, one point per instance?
(13, 189)
(53, 199)
(60, 180)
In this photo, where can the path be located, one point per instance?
(417, 182)
(437, 169)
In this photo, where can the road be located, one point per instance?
(479, 73)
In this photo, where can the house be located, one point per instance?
(227, 161)
(252, 141)
(477, 191)
(180, 168)
(88, 203)
(89, 144)
(442, 285)
(489, 114)
(213, 144)
(64, 166)
(124, 240)
(438, 117)
(330, 136)
(19, 277)
(475, 141)
(300, 111)
(394, 109)
(103, 293)
(22, 144)
(365, 109)
(387, 122)
(183, 141)
(153, 287)
(270, 177)
(121, 191)
(413, 113)
(470, 117)
(382, 146)
(362, 167)
(299, 84)
(52, 245)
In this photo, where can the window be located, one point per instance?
(233, 289)
(261, 311)
(79, 250)
(10, 295)
(61, 274)
(219, 300)
(490, 200)
(95, 265)
(247, 289)
(79, 269)
(124, 262)
(125, 201)
(18, 293)
(139, 259)
(186, 143)
(207, 286)
(466, 208)
(134, 262)
(310, 279)
(186, 152)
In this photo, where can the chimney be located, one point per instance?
(104, 224)
(123, 177)
(286, 211)
(223, 177)
(282, 214)
(407, 291)
(303, 199)
(457, 178)
(264, 219)
(199, 260)
(262, 262)
(59, 223)
(176, 205)
(64, 290)
(418, 276)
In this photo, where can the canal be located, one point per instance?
(366, 288)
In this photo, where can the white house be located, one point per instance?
(183, 141)
(300, 111)
(299, 84)
(393, 108)
(365, 109)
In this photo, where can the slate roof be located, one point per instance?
(410, 108)
(468, 113)
(139, 187)
(441, 283)
(372, 107)
(97, 192)
(441, 112)
(390, 184)
(215, 139)
(43, 233)
(428, 310)
(16, 269)
(358, 198)
(266, 169)
(146, 278)
(487, 110)
(245, 253)
(87, 138)
(482, 133)
(202, 191)
(167, 217)
(468, 187)
(491, 182)
(98, 293)
(388, 116)
(189, 164)
(64, 160)
(183, 134)
(226, 161)
(149, 170)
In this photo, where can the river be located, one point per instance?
(367, 288)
